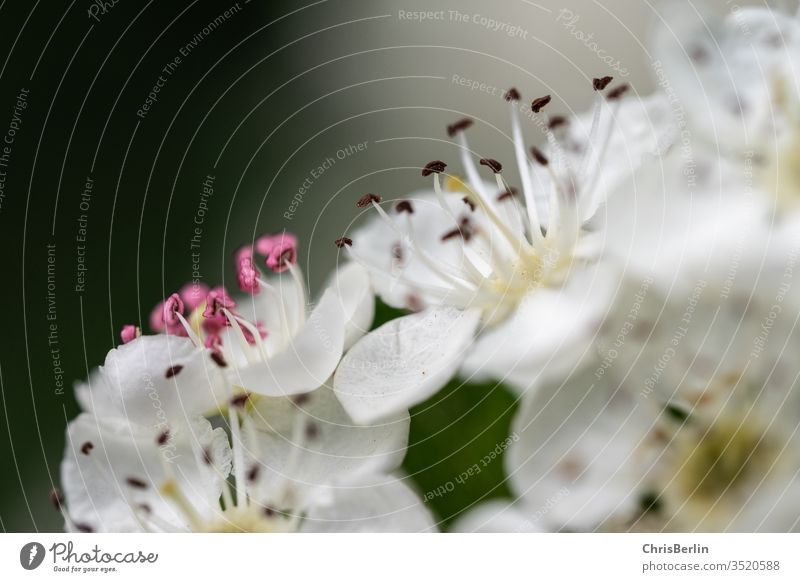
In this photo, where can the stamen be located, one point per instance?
(512, 95)
(217, 301)
(173, 371)
(464, 230)
(282, 252)
(493, 165)
(246, 272)
(539, 103)
(219, 359)
(87, 447)
(404, 206)
(237, 330)
(458, 127)
(240, 400)
(601, 83)
(343, 242)
(312, 430)
(469, 203)
(368, 199)
(507, 194)
(434, 167)
(534, 225)
(129, 333)
(301, 295)
(163, 438)
(84, 527)
(557, 121)
(189, 331)
(617, 92)
(173, 306)
(539, 156)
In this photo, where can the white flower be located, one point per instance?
(496, 517)
(514, 274)
(298, 465)
(687, 421)
(734, 84)
(297, 350)
(156, 381)
(271, 342)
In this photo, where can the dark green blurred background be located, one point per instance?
(258, 101)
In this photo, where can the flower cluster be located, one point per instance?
(634, 289)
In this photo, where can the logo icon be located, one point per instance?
(31, 555)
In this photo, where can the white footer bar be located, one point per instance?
(387, 557)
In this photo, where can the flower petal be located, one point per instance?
(549, 332)
(94, 395)
(403, 362)
(307, 362)
(581, 451)
(308, 443)
(113, 472)
(377, 504)
(351, 284)
(495, 517)
(159, 380)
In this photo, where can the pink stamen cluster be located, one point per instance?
(163, 317)
(279, 252)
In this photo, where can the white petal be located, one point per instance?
(96, 485)
(301, 445)
(351, 284)
(495, 517)
(309, 359)
(549, 332)
(94, 395)
(679, 216)
(378, 504)
(159, 380)
(582, 451)
(403, 362)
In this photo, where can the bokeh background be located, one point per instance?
(255, 104)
